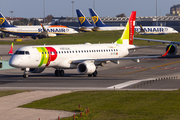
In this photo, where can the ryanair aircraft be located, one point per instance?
(34, 31)
(86, 58)
(99, 25)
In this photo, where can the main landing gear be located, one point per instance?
(94, 74)
(59, 72)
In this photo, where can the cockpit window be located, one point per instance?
(27, 52)
(22, 53)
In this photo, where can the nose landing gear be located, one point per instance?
(25, 75)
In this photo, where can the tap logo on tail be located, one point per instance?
(81, 19)
(2, 20)
(95, 19)
(48, 54)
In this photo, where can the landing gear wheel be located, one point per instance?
(95, 74)
(25, 76)
(89, 75)
(61, 72)
(57, 73)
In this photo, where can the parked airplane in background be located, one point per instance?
(85, 57)
(85, 25)
(154, 30)
(100, 26)
(33, 31)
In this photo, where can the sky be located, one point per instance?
(104, 8)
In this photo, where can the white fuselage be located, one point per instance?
(156, 29)
(34, 30)
(109, 28)
(63, 56)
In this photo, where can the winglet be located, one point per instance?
(11, 50)
(43, 27)
(142, 30)
(167, 51)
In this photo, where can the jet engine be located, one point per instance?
(173, 49)
(86, 68)
(85, 29)
(36, 70)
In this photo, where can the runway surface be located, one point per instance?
(149, 74)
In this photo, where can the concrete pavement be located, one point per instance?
(9, 106)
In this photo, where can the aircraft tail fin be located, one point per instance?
(3, 21)
(128, 34)
(11, 50)
(83, 22)
(96, 19)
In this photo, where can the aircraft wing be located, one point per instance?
(155, 40)
(114, 59)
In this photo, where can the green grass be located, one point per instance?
(117, 105)
(9, 92)
(94, 37)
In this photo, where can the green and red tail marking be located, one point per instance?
(167, 51)
(11, 50)
(128, 34)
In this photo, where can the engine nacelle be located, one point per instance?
(86, 68)
(173, 49)
(36, 70)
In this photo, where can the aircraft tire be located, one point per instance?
(57, 73)
(95, 74)
(89, 75)
(2, 36)
(25, 76)
(34, 37)
(61, 72)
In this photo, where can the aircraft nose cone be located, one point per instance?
(13, 62)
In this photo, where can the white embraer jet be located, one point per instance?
(85, 57)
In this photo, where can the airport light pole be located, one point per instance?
(94, 4)
(72, 9)
(11, 16)
(44, 12)
(156, 14)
